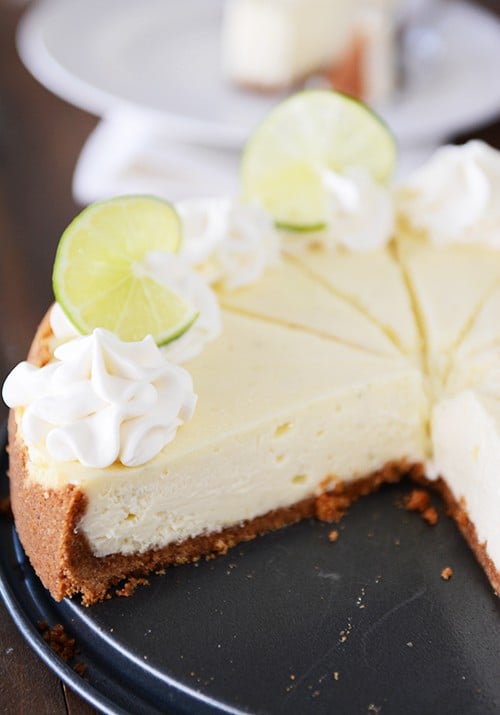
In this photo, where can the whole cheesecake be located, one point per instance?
(335, 372)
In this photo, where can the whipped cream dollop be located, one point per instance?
(173, 271)
(230, 243)
(361, 210)
(360, 213)
(102, 400)
(454, 196)
(62, 327)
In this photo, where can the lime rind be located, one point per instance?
(307, 133)
(94, 279)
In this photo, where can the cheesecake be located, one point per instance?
(275, 45)
(332, 372)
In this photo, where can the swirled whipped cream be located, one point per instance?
(361, 210)
(102, 400)
(360, 213)
(453, 197)
(230, 243)
(173, 271)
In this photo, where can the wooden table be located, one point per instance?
(40, 139)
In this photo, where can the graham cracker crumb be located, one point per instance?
(331, 507)
(57, 638)
(333, 535)
(419, 500)
(292, 677)
(447, 573)
(336, 675)
(130, 586)
(430, 515)
(221, 546)
(80, 668)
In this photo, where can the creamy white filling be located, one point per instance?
(244, 475)
(466, 445)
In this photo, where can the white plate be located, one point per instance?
(162, 56)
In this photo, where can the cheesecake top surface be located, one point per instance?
(322, 319)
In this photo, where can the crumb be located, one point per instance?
(430, 515)
(333, 535)
(372, 708)
(130, 586)
(221, 547)
(5, 508)
(346, 632)
(292, 677)
(315, 694)
(446, 573)
(336, 675)
(80, 668)
(326, 482)
(332, 506)
(409, 644)
(58, 640)
(359, 599)
(419, 500)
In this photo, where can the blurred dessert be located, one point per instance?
(274, 45)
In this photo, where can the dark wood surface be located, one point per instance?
(40, 139)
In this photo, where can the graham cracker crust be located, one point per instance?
(47, 521)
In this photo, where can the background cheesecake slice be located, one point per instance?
(273, 45)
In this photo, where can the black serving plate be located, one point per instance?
(289, 623)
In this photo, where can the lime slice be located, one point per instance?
(285, 160)
(99, 276)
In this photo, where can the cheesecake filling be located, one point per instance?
(466, 446)
(246, 473)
